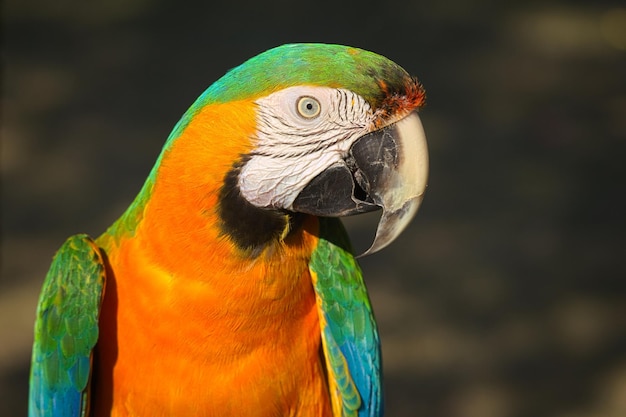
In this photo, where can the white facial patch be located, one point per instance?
(295, 142)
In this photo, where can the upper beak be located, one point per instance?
(387, 169)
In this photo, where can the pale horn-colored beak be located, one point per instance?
(393, 165)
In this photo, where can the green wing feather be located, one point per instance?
(349, 334)
(66, 330)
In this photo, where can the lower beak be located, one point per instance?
(387, 169)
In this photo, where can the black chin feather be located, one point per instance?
(250, 228)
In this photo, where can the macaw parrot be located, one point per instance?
(228, 287)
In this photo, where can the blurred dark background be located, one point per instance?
(505, 297)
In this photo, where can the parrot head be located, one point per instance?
(337, 134)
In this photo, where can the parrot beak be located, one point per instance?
(387, 169)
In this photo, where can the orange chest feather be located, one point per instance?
(173, 345)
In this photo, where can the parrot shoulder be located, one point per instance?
(66, 330)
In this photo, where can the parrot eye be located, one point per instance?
(308, 107)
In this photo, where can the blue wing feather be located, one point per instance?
(66, 330)
(349, 332)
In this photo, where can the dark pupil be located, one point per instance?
(309, 106)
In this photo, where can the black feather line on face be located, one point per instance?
(250, 228)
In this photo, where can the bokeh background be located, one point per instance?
(505, 297)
